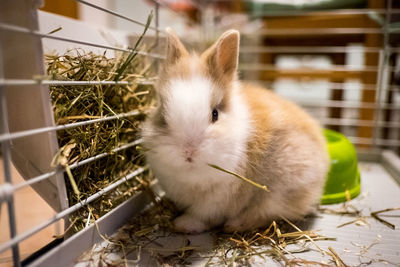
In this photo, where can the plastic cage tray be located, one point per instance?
(373, 244)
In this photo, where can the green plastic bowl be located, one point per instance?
(344, 175)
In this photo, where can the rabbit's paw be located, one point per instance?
(235, 225)
(189, 224)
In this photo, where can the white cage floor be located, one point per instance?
(372, 244)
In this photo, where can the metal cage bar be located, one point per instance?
(339, 68)
(326, 31)
(5, 145)
(15, 135)
(8, 27)
(15, 82)
(311, 49)
(116, 14)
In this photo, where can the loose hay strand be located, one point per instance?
(375, 216)
(72, 181)
(307, 236)
(338, 261)
(66, 230)
(134, 53)
(263, 187)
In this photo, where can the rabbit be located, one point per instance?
(205, 115)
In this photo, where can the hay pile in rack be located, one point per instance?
(128, 97)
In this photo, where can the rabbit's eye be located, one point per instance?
(214, 115)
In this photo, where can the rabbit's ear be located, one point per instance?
(175, 48)
(222, 57)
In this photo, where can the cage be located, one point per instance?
(337, 59)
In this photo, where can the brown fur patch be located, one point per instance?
(268, 112)
(180, 69)
(175, 48)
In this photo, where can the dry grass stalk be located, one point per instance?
(375, 216)
(302, 262)
(247, 180)
(345, 209)
(358, 221)
(338, 261)
(66, 230)
(364, 249)
(350, 210)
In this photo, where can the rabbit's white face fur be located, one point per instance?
(189, 140)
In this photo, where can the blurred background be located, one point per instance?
(337, 58)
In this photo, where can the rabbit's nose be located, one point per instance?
(188, 154)
(189, 150)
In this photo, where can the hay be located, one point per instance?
(247, 180)
(149, 232)
(388, 224)
(77, 103)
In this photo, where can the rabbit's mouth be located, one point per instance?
(191, 149)
(189, 155)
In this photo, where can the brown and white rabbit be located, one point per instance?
(205, 115)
